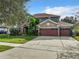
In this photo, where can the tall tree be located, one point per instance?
(12, 11)
(69, 19)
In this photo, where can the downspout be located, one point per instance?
(58, 30)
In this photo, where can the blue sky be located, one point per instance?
(50, 6)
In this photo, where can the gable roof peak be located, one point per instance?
(47, 21)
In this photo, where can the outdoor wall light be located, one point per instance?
(48, 24)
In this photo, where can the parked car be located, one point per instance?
(3, 30)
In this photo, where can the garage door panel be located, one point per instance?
(65, 32)
(49, 32)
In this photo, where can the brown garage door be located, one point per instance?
(65, 32)
(48, 32)
(54, 32)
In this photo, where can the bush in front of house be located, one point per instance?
(32, 29)
(14, 31)
(77, 33)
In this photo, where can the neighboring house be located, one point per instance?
(48, 27)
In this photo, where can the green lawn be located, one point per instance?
(15, 39)
(77, 38)
(3, 48)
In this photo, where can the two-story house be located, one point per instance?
(51, 26)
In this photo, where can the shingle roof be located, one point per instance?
(61, 23)
(42, 15)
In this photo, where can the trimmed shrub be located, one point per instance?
(77, 33)
(14, 31)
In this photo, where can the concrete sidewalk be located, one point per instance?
(10, 44)
(45, 48)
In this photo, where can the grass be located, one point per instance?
(4, 48)
(15, 39)
(76, 28)
(77, 38)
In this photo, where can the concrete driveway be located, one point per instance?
(44, 47)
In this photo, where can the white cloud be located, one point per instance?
(62, 10)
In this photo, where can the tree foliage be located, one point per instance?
(12, 11)
(69, 19)
(32, 30)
